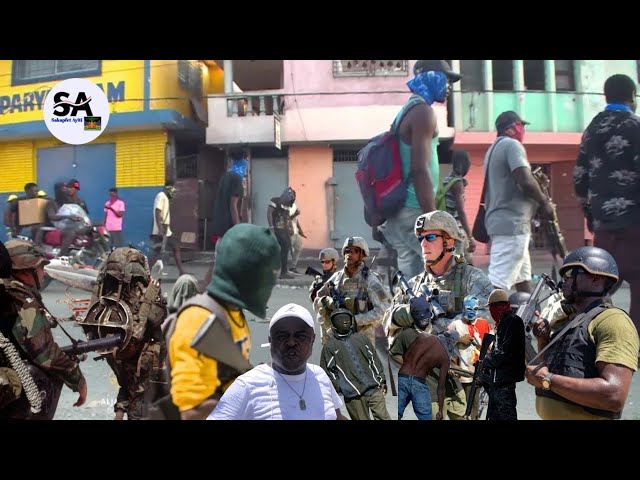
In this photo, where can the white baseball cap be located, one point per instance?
(291, 310)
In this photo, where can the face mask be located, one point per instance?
(471, 308)
(432, 86)
(499, 311)
(240, 167)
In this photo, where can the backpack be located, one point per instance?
(379, 172)
(441, 194)
(125, 296)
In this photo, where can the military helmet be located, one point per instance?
(329, 254)
(519, 298)
(25, 254)
(594, 260)
(356, 242)
(438, 220)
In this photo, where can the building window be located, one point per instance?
(190, 77)
(533, 74)
(32, 71)
(472, 75)
(565, 76)
(345, 154)
(502, 75)
(370, 68)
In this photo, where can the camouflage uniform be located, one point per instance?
(141, 358)
(352, 288)
(30, 332)
(458, 281)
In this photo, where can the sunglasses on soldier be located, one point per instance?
(429, 237)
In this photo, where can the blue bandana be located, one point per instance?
(470, 311)
(432, 86)
(239, 167)
(618, 106)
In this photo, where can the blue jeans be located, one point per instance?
(399, 232)
(415, 390)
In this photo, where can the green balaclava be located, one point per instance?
(247, 265)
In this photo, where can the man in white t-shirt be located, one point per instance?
(289, 388)
(161, 232)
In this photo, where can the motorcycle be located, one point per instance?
(90, 247)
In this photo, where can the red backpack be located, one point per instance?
(379, 172)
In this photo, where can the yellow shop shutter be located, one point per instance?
(16, 165)
(140, 159)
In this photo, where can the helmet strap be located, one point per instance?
(432, 263)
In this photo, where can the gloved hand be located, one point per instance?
(327, 303)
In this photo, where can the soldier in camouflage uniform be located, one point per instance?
(137, 310)
(329, 258)
(24, 323)
(361, 289)
(454, 279)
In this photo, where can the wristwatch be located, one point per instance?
(546, 381)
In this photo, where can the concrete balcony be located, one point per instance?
(248, 118)
(244, 118)
(547, 111)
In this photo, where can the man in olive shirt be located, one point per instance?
(588, 364)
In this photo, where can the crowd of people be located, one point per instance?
(458, 339)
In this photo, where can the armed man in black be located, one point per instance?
(504, 365)
(586, 365)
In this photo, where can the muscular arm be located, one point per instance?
(161, 226)
(524, 179)
(270, 211)
(458, 190)
(421, 121)
(608, 392)
(443, 366)
(233, 210)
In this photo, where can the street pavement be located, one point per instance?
(102, 385)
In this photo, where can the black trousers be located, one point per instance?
(502, 402)
(285, 247)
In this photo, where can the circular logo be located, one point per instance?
(76, 111)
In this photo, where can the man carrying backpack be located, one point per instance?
(417, 133)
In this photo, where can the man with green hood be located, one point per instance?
(245, 273)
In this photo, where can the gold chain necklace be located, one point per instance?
(302, 404)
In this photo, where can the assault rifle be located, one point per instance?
(435, 311)
(557, 245)
(313, 272)
(527, 310)
(487, 340)
(78, 350)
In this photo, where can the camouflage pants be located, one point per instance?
(133, 377)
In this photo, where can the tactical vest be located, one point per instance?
(158, 404)
(357, 301)
(451, 299)
(574, 355)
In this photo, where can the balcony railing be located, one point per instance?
(255, 104)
